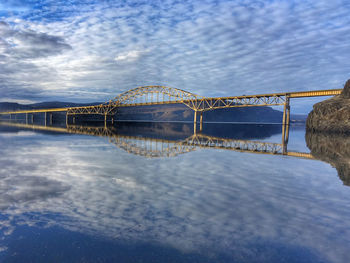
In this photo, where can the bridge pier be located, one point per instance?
(286, 112)
(195, 121)
(108, 118)
(48, 119)
(285, 124)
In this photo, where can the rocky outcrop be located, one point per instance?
(333, 149)
(332, 115)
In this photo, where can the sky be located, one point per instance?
(89, 50)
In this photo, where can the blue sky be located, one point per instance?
(89, 50)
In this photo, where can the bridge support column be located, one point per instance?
(67, 116)
(32, 118)
(285, 124)
(285, 137)
(45, 118)
(73, 119)
(201, 122)
(195, 122)
(286, 112)
(26, 118)
(51, 117)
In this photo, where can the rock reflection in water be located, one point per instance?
(333, 149)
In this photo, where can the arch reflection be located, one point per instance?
(158, 140)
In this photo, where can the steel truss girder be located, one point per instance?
(90, 110)
(206, 104)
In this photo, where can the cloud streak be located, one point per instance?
(29, 44)
(211, 48)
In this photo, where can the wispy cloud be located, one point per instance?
(129, 56)
(28, 44)
(208, 47)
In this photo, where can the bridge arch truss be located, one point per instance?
(154, 95)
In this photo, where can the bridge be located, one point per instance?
(160, 95)
(151, 147)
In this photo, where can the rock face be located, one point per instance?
(333, 149)
(332, 115)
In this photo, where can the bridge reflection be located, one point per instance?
(156, 140)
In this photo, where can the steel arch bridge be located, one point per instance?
(157, 95)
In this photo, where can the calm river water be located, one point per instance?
(147, 193)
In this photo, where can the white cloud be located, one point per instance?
(129, 56)
(211, 48)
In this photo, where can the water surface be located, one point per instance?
(139, 194)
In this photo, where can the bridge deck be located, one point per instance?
(200, 104)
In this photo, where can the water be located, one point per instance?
(145, 194)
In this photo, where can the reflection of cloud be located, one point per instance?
(207, 200)
(129, 183)
(15, 134)
(27, 189)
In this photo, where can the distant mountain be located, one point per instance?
(180, 112)
(10, 106)
(172, 112)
